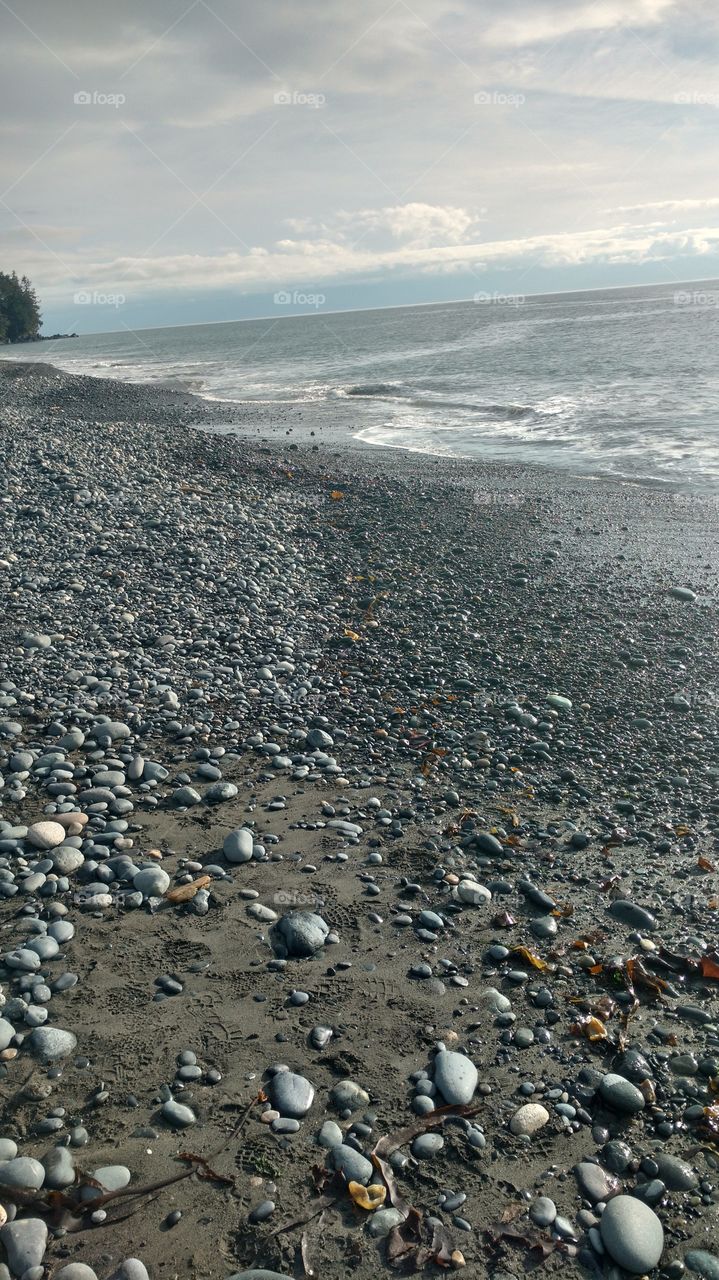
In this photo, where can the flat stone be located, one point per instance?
(456, 1077)
(75, 1271)
(354, 1166)
(632, 1234)
(382, 1221)
(291, 1094)
(7, 1031)
(330, 1135)
(476, 895)
(631, 914)
(621, 1094)
(595, 1183)
(59, 1168)
(674, 1173)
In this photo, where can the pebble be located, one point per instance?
(291, 1094)
(456, 1076)
(529, 1119)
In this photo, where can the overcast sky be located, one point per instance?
(372, 153)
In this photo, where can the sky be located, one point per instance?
(173, 163)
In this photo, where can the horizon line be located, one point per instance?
(390, 306)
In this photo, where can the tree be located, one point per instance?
(20, 317)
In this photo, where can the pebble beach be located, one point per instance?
(359, 854)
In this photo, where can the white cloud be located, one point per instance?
(309, 262)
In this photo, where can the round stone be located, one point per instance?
(291, 1094)
(621, 1094)
(632, 1234)
(151, 882)
(238, 845)
(354, 1166)
(45, 835)
(529, 1119)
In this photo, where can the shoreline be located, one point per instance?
(465, 721)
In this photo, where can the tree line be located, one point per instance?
(20, 317)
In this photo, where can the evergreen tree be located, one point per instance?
(19, 309)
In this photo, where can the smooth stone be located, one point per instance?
(632, 1234)
(130, 1269)
(529, 1119)
(50, 1043)
(237, 846)
(22, 1171)
(59, 1168)
(291, 1094)
(543, 1211)
(186, 796)
(631, 914)
(299, 934)
(178, 1115)
(427, 1145)
(354, 1166)
(621, 1094)
(65, 861)
(704, 1264)
(347, 1095)
(476, 895)
(330, 1135)
(7, 1031)
(151, 882)
(487, 843)
(45, 835)
(674, 1173)
(595, 1183)
(8, 1149)
(382, 1221)
(25, 1241)
(456, 1077)
(75, 1271)
(255, 1273)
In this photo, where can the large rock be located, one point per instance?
(45, 835)
(456, 1076)
(238, 845)
(25, 1241)
(632, 1234)
(291, 1094)
(50, 1043)
(299, 933)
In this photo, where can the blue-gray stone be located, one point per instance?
(632, 1234)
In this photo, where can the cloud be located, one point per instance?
(310, 262)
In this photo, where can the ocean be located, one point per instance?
(620, 383)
